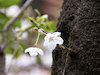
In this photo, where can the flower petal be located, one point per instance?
(29, 49)
(56, 34)
(45, 43)
(51, 46)
(33, 53)
(47, 36)
(39, 51)
(58, 40)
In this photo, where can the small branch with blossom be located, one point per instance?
(51, 39)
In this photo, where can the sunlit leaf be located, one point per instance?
(7, 3)
(37, 11)
(43, 26)
(33, 21)
(38, 19)
(51, 25)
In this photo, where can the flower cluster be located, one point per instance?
(44, 26)
(50, 42)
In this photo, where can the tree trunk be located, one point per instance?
(79, 23)
(2, 63)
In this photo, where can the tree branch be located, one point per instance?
(10, 22)
(15, 38)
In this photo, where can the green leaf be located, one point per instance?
(43, 26)
(9, 49)
(18, 53)
(3, 20)
(17, 23)
(0, 37)
(7, 3)
(9, 36)
(14, 49)
(23, 45)
(38, 19)
(38, 59)
(61, 46)
(33, 21)
(29, 34)
(37, 11)
(51, 26)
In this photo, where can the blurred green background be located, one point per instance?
(17, 62)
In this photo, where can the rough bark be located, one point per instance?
(2, 63)
(79, 23)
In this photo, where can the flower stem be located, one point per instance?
(37, 39)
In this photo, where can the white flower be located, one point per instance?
(52, 39)
(13, 11)
(34, 51)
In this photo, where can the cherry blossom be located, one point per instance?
(34, 51)
(52, 39)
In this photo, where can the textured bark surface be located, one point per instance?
(79, 23)
(2, 63)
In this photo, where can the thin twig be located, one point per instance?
(16, 38)
(14, 18)
(26, 30)
(9, 23)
